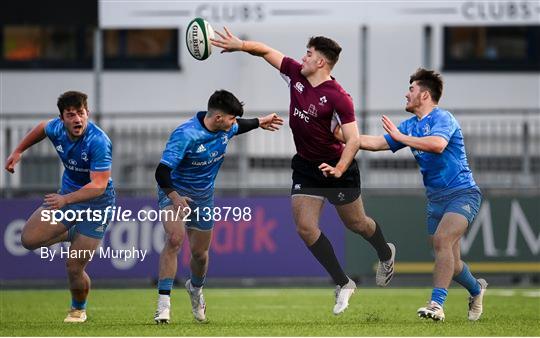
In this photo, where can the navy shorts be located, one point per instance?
(465, 202)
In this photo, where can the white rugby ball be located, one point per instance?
(198, 35)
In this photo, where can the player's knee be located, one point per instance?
(174, 241)
(74, 267)
(304, 230)
(200, 256)
(441, 243)
(28, 243)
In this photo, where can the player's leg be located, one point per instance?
(450, 229)
(168, 262)
(468, 205)
(355, 219)
(199, 243)
(306, 214)
(344, 194)
(476, 287)
(79, 281)
(37, 232)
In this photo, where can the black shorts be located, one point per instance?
(308, 179)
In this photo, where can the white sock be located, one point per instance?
(164, 300)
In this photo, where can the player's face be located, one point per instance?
(75, 121)
(413, 98)
(226, 121)
(311, 62)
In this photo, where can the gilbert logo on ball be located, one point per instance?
(198, 35)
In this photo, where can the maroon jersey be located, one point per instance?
(314, 113)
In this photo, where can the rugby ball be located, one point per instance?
(198, 35)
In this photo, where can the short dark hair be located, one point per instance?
(429, 80)
(72, 99)
(327, 47)
(226, 102)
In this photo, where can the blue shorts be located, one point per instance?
(465, 202)
(86, 223)
(200, 218)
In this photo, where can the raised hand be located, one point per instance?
(270, 122)
(228, 42)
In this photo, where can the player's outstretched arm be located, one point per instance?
(96, 187)
(37, 134)
(350, 136)
(372, 143)
(231, 43)
(270, 122)
(431, 144)
(365, 142)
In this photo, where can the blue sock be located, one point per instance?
(165, 286)
(439, 295)
(467, 280)
(78, 305)
(197, 281)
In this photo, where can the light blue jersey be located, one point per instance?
(195, 155)
(443, 173)
(91, 152)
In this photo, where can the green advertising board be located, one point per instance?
(504, 238)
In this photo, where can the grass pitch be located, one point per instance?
(270, 312)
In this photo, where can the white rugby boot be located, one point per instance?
(198, 306)
(475, 303)
(343, 293)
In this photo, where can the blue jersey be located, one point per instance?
(91, 152)
(446, 172)
(195, 155)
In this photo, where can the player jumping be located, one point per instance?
(185, 176)
(323, 167)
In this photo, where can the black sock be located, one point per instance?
(324, 252)
(164, 292)
(379, 243)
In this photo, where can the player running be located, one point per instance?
(86, 152)
(185, 176)
(436, 141)
(323, 167)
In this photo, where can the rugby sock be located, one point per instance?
(438, 295)
(197, 282)
(78, 305)
(467, 280)
(324, 252)
(379, 243)
(165, 286)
